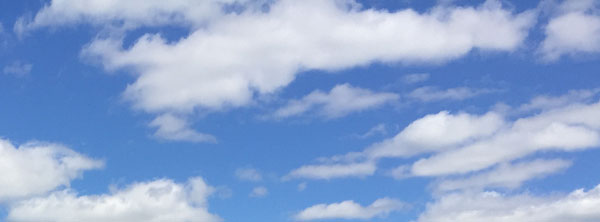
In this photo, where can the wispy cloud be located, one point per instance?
(430, 94)
(173, 128)
(259, 192)
(248, 174)
(17, 68)
(340, 101)
(415, 78)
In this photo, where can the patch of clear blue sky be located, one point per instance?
(70, 101)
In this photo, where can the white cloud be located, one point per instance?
(432, 133)
(249, 174)
(302, 186)
(171, 127)
(341, 100)
(545, 102)
(216, 66)
(575, 30)
(505, 175)
(17, 68)
(350, 210)
(579, 206)
(36, 168)
(330, 171)
(155, 201)
(571, 128)
(415, 78)
(129, 14)
(377, 129)
(437, 132)
(463, 144)
(259, 192)
(429, 94)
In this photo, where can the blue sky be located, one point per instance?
(335, 110)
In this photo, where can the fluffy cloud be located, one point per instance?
(341, 100)
(217, 66)
(505, 175)
(249, 174)
(155, 201)
(428, 94)
(350, 210)
(174, 128)
(36, 168)
(575, 30)
(579, 206)
(330, 171)
(437, 132)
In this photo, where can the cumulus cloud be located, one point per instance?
(576, 29)
(341, 100)
(249, 174)
(259, 192)
(216, 65)
(171, 127)
(505, 175)
(429, 94)
(17, 68)
(155, 201)
(36, 168)
(578, 206)
(350, 210)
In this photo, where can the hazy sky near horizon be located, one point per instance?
(313, 110)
